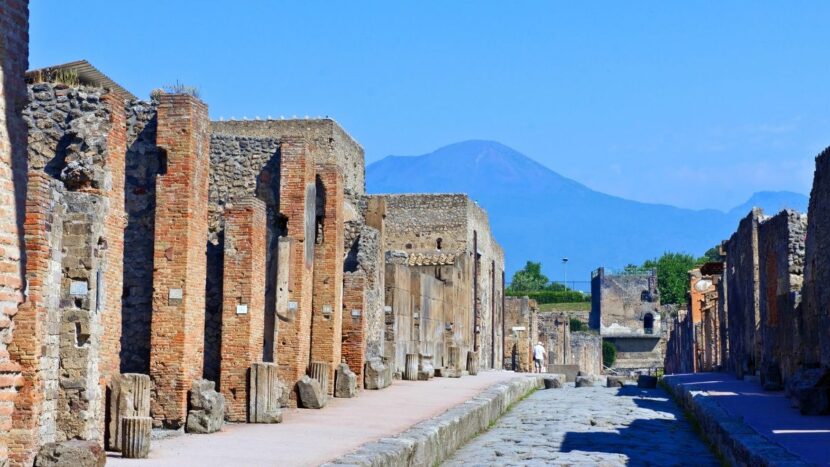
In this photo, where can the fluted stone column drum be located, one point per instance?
(320, 372)
(135, 437)
(411, 369)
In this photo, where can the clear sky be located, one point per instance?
(697, 104)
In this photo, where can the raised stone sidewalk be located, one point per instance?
(314, 437)
(750, 426)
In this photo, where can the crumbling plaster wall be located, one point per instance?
(621, 303)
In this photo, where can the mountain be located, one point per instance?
(537, 214)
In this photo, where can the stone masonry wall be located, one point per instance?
(815, 335)
(555, 335)
(781, 255)
(354, 322)
(142, 167)
(586, 351)
(178, 323)
(621, 303)
(744, 313)
(14, 56)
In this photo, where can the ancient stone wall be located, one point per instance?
(781, 266)
(354, 322)
(555, 334)
(623, 305)
(328, 144)
(142, 167)
(815, 329)
(742, 276)
(520, 333)
(586, 351)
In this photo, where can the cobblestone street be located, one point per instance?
(589, 426)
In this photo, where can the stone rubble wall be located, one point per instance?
(781, 266)
(586, 351)
(815, 334)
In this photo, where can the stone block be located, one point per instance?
(320, 372)
(569, 371)
(264, 394)
(584, 381)
(376, 374)
(472, 363)
(345, 382)
(809, 390)
(552, 383)
(646, 382)
(616, 381)
(75, 453)
(312, 395)
(411, 367)
(129, 397)
(135, 437)
(425, 369)
(207, 408)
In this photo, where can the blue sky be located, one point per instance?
(697, 105)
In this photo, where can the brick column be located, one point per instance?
(178, 324)
(14, 58)
(115, 221)
(327, 302)
(297, 199)
(243, 318)
(354, 323)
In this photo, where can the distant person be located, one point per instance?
(539, 356)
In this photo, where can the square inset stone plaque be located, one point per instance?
(387, 309)
(175, 294)
(292, 306)
(242, 309)
(355, 313)
(326, 310)
(78, 288)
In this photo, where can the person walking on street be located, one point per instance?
(539, 356)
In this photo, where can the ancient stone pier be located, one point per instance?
(178, 324)
(243, 311)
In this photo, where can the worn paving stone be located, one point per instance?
(589, 426)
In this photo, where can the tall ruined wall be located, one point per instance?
(74, 231)
(142, 167)
(328, 144)
(555, 334)
(586, 351)
(418, 222)
(781, 255)
(815, 335)
(742, 301)
(622, 304)
(489, 268)
(399, 329)
(14, 56)
(520, 333)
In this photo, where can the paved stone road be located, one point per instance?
(589, 426)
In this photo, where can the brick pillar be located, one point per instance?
(354, 323)
(178, 324)
(327, 301)
(243, 309)
(14, 58)
(115, 222)
(296, 205)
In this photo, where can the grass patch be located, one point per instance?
(572, 306)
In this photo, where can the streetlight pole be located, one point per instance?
(565, 271)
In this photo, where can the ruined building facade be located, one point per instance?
(625, 310)
(147, 253)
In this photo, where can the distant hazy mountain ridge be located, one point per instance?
(540, 215)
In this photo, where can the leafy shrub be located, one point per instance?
(609, 354)
(578, 326)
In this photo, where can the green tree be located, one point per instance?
(529, 279)
(577, 325)
(673, 275)
(713, 254)
(609, 354)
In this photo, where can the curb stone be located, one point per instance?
(736, 441)
(434, 440)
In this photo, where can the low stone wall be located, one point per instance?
(737, 442)
(434, 440)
